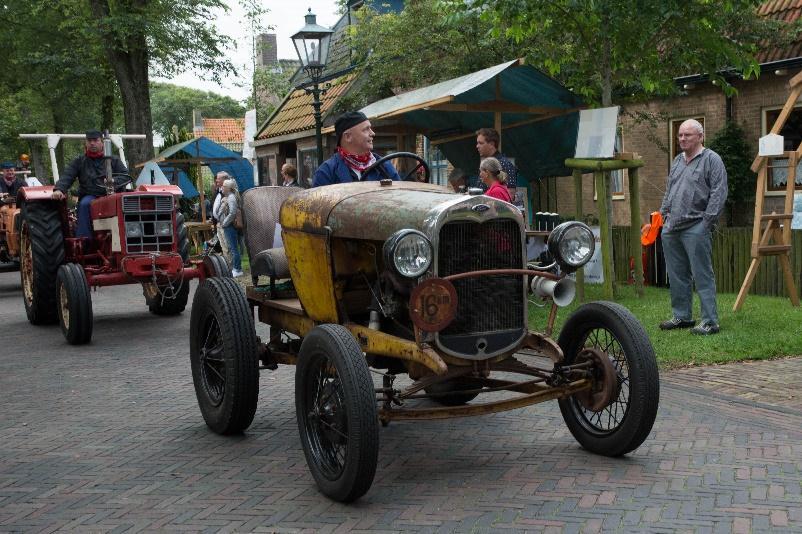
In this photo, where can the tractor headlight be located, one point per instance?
(163, 228)
(572, 244)
(408, 252)
(133, 229)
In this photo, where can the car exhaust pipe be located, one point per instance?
(561, 291)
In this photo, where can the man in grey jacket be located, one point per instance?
(694, 199)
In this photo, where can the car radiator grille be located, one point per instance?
(490, 312)
(146, 212)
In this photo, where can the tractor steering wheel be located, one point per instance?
(118, 186)
(403, 155)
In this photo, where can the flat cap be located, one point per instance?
(93, 134)
(347, 120)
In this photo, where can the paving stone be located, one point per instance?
(108, 437)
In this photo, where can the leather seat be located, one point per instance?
(260, 218)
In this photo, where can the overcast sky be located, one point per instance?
(286, 17)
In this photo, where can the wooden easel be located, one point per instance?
(775, 238)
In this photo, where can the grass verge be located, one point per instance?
(764, 328)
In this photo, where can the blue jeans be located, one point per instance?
(689, 260)
(232, 236)
(84, 227)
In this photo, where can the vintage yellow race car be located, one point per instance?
(382, 279)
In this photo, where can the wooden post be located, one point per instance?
(580, 274)
(600, 178)
(635, 221)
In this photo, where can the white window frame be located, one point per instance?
(764, 129)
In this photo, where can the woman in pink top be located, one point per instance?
(494, 178)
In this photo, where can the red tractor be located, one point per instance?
(139, 237)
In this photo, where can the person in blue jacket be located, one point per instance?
(354, 153)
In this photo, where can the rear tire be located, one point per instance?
(182, 237)
(335, 404)
(41, 254)
(216, 265)
(223, 355)
(625, 423)
(75, 304)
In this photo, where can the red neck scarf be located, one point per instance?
(357, 162)
(94, 155)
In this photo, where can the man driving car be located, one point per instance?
(90, 169)
(354, 154)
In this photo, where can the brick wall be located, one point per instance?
(652, 140)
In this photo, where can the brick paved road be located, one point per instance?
(108, 437)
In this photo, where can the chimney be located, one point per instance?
(267, 53)
(197, 123)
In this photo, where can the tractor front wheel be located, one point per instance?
(168, 300)
(41, 254)
(75, 304)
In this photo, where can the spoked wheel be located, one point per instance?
(335, 403)
(222, 350)
(41, 253)
(617, 414)
(75, 304)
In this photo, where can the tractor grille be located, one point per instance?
(148, 223)
(490, 313)
(140, 203)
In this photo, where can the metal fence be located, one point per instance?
(731, 257)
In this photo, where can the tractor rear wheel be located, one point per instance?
(75, 304)
(182, 237)
(41, 254)
(216, 265)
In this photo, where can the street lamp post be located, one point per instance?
(312, 46)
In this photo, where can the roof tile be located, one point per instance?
(223, 130)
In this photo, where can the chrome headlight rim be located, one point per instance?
(394, 241)
(558, 237)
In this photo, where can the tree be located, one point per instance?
(730, 143)
(166, 35)
(598, 48)
(425, 43)
(172, 105)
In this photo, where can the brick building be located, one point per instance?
(754, 108)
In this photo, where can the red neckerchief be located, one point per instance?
(94, 155)
(357, 162)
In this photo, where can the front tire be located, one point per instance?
(335, 403)
(223, 355)
(75, 304)
(624, 424)
(41, 254)
(170, 304)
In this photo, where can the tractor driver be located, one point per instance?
(90, 170)
(354, 153)
(10, 183)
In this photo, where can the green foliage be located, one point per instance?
(730, 143)
(172, 105)
(600, 49)
(766, 327)
(429, 41)
(271, 87)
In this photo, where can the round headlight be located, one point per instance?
(572, 244)
(408, 252)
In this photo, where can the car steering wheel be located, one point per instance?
(402, 155)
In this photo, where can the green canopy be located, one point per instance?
(539, 118)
